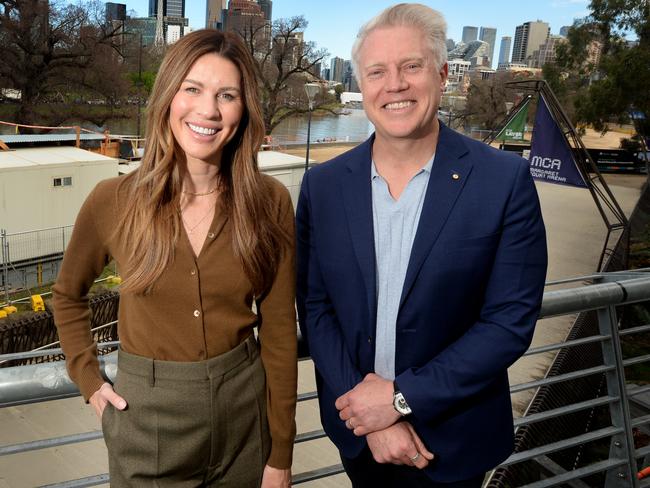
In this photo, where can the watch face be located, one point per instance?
(400, 404)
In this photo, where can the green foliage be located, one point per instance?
(146, 79)
(604, 89)
(338, 89)
(625, 85)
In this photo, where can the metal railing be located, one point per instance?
(605, 292)
(24, 257)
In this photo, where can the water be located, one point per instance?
(353, 127)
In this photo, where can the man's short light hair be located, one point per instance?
(429, 21)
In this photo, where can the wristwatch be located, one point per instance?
(399, 402)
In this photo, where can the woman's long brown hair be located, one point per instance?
(150, 226)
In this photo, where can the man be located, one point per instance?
(421, 266)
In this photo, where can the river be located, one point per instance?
(352, 127)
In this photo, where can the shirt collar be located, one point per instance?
(426, 168)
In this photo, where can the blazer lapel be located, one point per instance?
(447, 179)
(358, 207)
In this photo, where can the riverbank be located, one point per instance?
(325, 152)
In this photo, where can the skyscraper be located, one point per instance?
(470, 33)
(546, 52)
(336, 69)
(267, 8)
(476, 52)
(215, 11)
(115, 18)
(115, 12)
(288, 51)
(528, 37)
(171, 8)
(244, 16)
(489, 35)
(174, 20)
(504, 51)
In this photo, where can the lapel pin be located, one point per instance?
(455, 176)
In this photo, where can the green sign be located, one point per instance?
(514, 130)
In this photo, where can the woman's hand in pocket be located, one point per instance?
(103, 396)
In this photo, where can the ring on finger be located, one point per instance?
(415, 458)
(350, 426)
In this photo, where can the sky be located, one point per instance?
(333, 24)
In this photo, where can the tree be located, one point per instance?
(283, 63)
(486, 99)
(338, 89)
(606, 89)
(50, 48)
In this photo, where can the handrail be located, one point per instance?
(39, 382)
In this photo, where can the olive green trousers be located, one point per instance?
(189, 424)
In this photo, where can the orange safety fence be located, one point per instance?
(78, 129)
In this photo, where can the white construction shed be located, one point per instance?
(44, 187)
(287, 168)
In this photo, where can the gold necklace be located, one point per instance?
(191, 230)
(203, 194)
(199, 194)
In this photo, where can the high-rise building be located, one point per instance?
(245, 16)
(528, 37)
(504, 51)
(288, 51)
(171, 8)
(215, 11)
(325, 73)
(489, 35)
(115, 12)
(476, 52)
(173, 15)
(546, 52)
(115, 19)
(450, 44)
(145, 26)
(349, 80)
(267, 8)
(316, 70)
(337, 66)
(457, 69)
(470, 33)
(173, 33)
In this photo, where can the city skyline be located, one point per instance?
(503, 15)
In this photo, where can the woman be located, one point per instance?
(199, 235)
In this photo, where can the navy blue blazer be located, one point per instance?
(469, 304)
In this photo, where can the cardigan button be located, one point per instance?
(193, 272)
(211, 235)
(197, 313)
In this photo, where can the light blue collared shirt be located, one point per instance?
(395, 224)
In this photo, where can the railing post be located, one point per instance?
(622, 445)
(5, 258)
